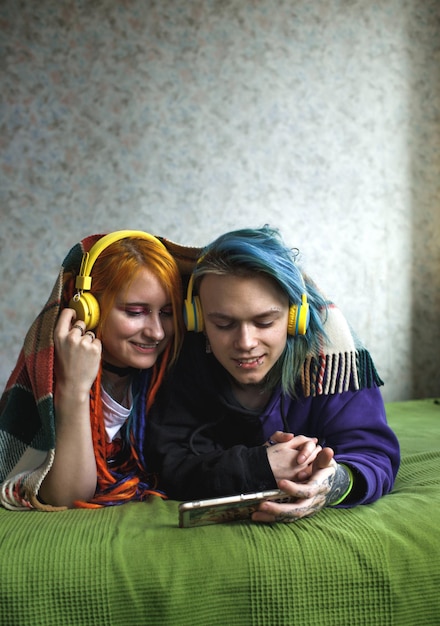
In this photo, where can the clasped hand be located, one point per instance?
(303, 470)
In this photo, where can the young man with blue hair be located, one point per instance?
(272, 390)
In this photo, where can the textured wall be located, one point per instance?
(187, 118)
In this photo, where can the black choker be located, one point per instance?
(120, 371)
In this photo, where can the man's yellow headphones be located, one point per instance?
(85, 304)
(298, 321)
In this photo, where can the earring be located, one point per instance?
(208, 348)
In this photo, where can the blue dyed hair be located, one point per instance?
(262, 251)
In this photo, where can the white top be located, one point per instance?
(115, 415)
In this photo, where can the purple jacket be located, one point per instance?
(204, 444)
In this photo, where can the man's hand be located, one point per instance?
(326, 482)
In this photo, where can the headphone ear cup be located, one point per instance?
(299, 318)
(87, 309)
(193, 316)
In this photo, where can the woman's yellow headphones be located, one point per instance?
(85, 304)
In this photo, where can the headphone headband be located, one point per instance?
(84, 280)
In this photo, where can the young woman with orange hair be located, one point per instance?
(86, 386)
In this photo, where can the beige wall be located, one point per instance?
(187, 118)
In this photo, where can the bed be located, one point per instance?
(132, 565)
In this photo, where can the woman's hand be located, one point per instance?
(77, 353)
(326, 479)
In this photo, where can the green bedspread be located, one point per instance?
(131, 565)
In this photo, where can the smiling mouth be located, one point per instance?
(146, 346)
(253, 362)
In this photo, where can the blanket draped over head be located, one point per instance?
(27, 416)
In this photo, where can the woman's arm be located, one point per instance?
(77, 358)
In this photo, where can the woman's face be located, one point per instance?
(246, 323)
(140, 324)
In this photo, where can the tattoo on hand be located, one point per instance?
(338, 485)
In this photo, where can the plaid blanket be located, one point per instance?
(342, 363)
(27, 418)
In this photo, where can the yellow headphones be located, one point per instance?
(299, 316)
(298, 320)
(192, 309)
(85, 304)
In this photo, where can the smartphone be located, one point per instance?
(226, 509)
